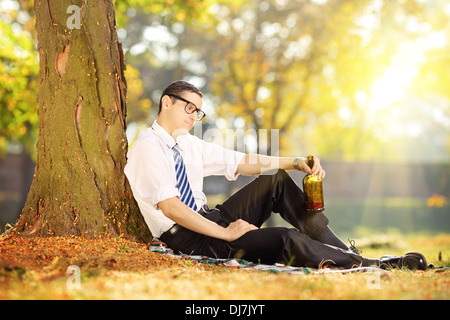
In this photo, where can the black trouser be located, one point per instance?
(254, 203)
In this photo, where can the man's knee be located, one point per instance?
(275, 176)
(282, 173)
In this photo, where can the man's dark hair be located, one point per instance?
(177, 88)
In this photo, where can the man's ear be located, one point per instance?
(166, 101)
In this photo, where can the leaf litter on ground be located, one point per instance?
(36, 268)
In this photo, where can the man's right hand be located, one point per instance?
(237, 229)
(177, 211)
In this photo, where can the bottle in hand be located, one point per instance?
(312, 187)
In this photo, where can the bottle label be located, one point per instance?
(314, 206)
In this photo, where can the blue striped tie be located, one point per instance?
(186, 195)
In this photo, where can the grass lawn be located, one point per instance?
(120, 269)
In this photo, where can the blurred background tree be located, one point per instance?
(339, 78)
(18, 79)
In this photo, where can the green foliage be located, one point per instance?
(288, 67)
(310, 69)
(188, 11)
(139, 105)
(19, 66)
(304, 67)
(18, 85)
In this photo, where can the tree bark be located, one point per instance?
(79, 187)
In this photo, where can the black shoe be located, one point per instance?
(411, 260)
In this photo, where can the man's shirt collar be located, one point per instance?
(163, 134)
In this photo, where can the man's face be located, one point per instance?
(179, 119)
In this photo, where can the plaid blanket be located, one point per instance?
(161, 247)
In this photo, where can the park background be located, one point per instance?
(363, 84)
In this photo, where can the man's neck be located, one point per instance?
(169, 129)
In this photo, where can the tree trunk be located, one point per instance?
(79, 187)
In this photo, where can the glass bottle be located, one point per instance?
(312, 187)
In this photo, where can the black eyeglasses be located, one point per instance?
(190, 107)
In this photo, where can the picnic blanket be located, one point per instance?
(160, 247)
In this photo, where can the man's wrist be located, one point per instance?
(296, 162)
(224, 234)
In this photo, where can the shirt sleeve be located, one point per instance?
(151, 173)
(218, 160)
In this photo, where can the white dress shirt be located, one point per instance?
(150, 169)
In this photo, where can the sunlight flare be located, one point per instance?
(390, 88)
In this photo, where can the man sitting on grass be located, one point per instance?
(166, 166)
